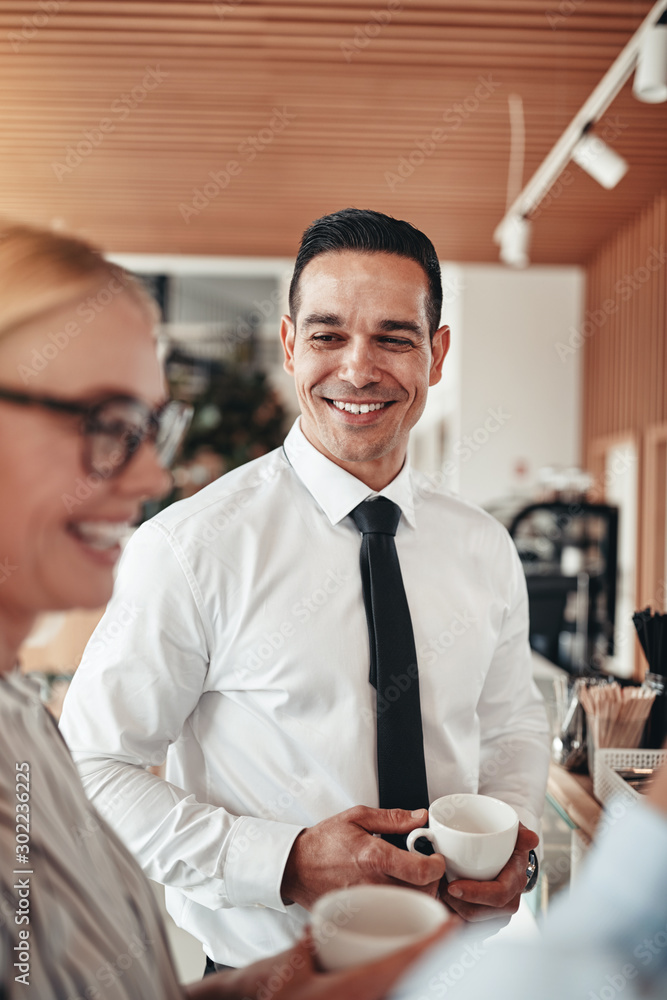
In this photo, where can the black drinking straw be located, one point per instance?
(640, 620)
(651, 631)
(658, 666)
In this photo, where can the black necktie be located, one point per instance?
(394, 674)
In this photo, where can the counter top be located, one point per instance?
(572, 794)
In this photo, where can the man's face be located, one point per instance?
(361, 356)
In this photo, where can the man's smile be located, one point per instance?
(357, 407)
(358, 412)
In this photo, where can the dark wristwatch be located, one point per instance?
(532, 871)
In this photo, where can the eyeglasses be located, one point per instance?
(115, 427)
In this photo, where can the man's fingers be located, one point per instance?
(413, 869)
(387, 820)
(510, 882)
(498, 899)
(475, 912)
(526, 840)
(387, 860)
(497, 893)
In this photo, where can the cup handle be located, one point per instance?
(414, 835)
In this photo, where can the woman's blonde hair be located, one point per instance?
(41, 271)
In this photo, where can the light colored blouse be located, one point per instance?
(78, 920)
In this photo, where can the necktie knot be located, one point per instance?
(379, 516)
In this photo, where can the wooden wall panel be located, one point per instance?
(364, 87)
(625, 375)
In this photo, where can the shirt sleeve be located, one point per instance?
(606, 938)
(142, 675)
(514, 750)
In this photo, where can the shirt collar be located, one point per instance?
(335, 490)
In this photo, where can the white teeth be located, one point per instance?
(357, 407)
(101, 534)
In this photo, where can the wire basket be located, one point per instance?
(608, 784)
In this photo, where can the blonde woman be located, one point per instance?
(86, 432)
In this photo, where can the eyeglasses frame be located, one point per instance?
(86, 411)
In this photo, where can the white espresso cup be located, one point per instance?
(476, 835)
(366, 922)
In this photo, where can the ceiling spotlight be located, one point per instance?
(599, 160)
(515, 241)
(650, 83)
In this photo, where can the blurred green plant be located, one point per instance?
(238, 417)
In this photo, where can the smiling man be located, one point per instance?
(247, 662)
(363, 350)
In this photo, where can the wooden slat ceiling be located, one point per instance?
(351, 112)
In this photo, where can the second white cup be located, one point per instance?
(364, 923)
(475, 834)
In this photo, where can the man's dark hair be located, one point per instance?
(370, 232)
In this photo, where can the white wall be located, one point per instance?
(509, 368)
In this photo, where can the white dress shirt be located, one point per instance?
(607, 938)
(236, 645)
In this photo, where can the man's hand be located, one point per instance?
(293, 975)
(496, 900)
(342, 851)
